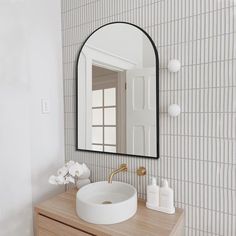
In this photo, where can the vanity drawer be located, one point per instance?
(49, 227)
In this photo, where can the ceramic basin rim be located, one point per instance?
(84, 201)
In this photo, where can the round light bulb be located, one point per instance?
(174, 110)
(174, 65)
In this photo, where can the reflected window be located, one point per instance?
(104, 113)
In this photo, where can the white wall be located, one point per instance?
(31, 144)
(45, 69)
(130, 43)
(149, 59)
(127, 39)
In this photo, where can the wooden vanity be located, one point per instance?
(57, 217)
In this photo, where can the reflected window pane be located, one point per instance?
(97, 116)
(110, 135)
(109, 149)
(97, 136)
(97, 98)
(110, 97)
(110, 116)
(97, 147)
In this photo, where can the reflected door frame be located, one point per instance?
(94, 56)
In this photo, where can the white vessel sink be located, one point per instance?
(104, 203)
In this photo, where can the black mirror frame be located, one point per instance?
(157, 95)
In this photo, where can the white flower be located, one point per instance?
(70, 179)
(75, 170)
(69, 173)
(63, 171)
(69, 164)
(52, 180)
(60, 179)
(56, 180)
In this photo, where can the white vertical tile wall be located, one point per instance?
(198, 149)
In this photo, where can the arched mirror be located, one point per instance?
(117, 92)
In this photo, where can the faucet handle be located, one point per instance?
(141, 171)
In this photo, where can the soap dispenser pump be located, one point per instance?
(152, 194)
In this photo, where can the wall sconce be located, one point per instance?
(174, 65)
(174, 110)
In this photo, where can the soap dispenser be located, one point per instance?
(166, 198)
(152, 194)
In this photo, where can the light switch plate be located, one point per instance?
(45, 106)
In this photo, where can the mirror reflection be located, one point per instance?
(116, 92)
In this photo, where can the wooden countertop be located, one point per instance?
(146, 222)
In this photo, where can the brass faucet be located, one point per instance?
(123, 167)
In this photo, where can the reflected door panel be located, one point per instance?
(141, 112)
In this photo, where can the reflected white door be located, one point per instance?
(141, 112)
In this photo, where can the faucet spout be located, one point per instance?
(123, 167)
